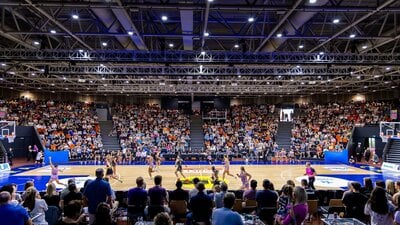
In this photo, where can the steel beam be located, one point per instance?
(284, 58)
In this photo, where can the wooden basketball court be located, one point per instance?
(277, 174)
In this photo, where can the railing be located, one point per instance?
(215, 115)
(3, 153)
(41, 146)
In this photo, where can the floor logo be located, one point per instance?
(339, 168)
(328, 182)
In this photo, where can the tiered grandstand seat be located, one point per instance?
(150, 128)
(61, 126)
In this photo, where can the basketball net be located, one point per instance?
(10, 138)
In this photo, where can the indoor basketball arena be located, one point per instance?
(203, 112)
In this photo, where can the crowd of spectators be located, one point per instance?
(147, 129)
(248, 130)
(319, 128)
(95, 203)
(60, 125)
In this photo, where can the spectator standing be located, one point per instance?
(225, 215)
(194, 191)
(138, 196)
(285, 200)
(378, 208)
(10, 156)
(179, 193)
(201, 206)
(36, 206)
(297, 214)
(158, 196)
(368, 187)
(251, 194)
(359, 152)
(73, 194)
(12, 214)
(12, 188)
(51, 197)
(219, 197)
(355, 202)
(27, 185)
(96, 192)
(266, 199)
(29, 153)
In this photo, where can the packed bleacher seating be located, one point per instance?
(248, 130)
(146, 129)
(60, 125)
(319, 128)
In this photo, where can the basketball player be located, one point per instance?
(226, 168)
(54, 173)
(158, 161)
(214, 174)
(150, 162)
(244, 177)
(111, 167)
(178, 165)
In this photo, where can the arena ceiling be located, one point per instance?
(226, 47)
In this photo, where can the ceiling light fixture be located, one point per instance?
(171, 45)
(301, 46)
(352, 36)
(336, 21)
(206, 34)
(279, 35)
(236, 46)
(130, 33)
(313, 1)
(75, 16)
(364, 47)
(36, 43)
(104, 44)
(164, 18)
(251, 19)
(53, 31)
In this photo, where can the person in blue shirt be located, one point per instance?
(96, 192)
(225, 215)
(12, 214)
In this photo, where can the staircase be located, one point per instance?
(284, 134)
(109, 142)
(391, 152)
(196, 133)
